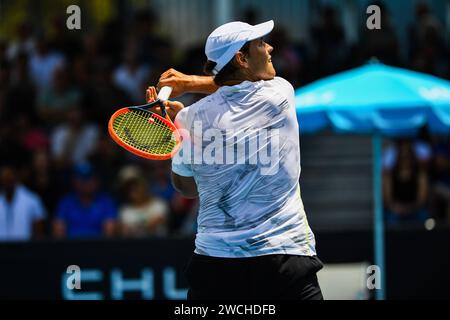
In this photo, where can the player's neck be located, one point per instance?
(232, 82)
(241, 78)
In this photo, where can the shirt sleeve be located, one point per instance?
(286, 89)
(181, 162)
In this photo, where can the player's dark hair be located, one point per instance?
(229, 72)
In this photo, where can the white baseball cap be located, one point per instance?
(223, 43)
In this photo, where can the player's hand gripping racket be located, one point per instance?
(145, 133)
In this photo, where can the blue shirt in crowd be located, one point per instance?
(86, 221)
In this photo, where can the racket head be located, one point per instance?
(144, 133)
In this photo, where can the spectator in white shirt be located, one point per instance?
(142, 214)
(21, 211)
(73, 141)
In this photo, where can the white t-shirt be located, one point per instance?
(17, 217)
(138, 218)
(241, 145)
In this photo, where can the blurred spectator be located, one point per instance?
(142, 214)
(85, 212)
(131, 75)
(161, 186)
(43, 63)
(328, 38)
(107, 157)
(55, 100)
(405, 182)
(420, 146)
(23, 43)
(21, 211)
(75, 140)
(440, 198)
(29, 135)
(43, 181)
(128, 172)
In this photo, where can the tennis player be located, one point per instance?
(253, 240)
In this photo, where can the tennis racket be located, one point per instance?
(146, 133)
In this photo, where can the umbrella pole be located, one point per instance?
(379, 247)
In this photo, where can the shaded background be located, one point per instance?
(70, 186)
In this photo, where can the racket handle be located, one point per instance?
(164, 93)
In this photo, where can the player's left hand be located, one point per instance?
(172, 107)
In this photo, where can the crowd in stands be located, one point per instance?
(62, 176)
(416, 180)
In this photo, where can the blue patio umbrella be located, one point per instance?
(379, 100)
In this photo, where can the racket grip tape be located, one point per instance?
(164, 93)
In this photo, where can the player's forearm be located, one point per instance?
(202, 84)
(183, 83)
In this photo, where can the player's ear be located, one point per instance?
(241, 59)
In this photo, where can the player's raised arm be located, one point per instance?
(183, 83)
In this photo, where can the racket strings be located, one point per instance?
(151, 136)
